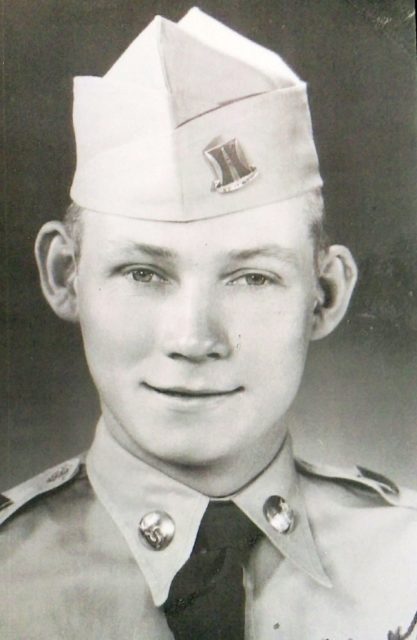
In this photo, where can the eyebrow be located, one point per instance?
(268, 251)
(151, 250)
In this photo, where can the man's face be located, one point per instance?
(196, 333)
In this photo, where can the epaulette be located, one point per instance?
(362, 478)
(14, 499)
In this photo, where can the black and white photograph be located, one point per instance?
(208, 424)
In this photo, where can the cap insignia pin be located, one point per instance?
(230, 165)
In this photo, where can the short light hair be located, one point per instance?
(73, 225)
(315, 209)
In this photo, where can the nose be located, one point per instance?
(194, 328)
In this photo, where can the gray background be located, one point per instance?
(358, 402)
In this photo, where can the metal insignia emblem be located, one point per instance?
(279, 514)
(157, 528)
(231, 167)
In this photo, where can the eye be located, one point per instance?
(253, 280)
(257, 279)
(146, 276)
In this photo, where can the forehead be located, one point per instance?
(286, 224)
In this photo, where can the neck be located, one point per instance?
(217, 479)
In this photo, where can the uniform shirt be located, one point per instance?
(74, 564)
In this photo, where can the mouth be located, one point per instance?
(186, 393)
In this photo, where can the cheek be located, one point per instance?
(273, 339)
(116, 332)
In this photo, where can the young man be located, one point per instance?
(194, 261)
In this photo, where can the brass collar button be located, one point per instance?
(157, 529)
(279, 514)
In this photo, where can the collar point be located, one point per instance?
(323, 579)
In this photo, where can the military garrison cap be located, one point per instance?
(192, 121)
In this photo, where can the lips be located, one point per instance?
(189, 393)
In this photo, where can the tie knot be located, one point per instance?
(224, 525)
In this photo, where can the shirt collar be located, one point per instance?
(129, 489)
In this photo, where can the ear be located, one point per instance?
(54, 252)
(337, 277)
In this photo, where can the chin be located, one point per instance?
(204, 453)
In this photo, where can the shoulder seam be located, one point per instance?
(45, 482)
(364, 478)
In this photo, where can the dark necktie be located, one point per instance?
(207, 598)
